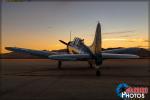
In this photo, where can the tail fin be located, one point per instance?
(97, 43)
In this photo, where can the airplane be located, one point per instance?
(78, 51)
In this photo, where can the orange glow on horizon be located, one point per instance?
(106, 44)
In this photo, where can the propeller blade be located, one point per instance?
(63, 42)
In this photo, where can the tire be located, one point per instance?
(59, 65)
(98, 73)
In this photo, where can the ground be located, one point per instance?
(39, 79)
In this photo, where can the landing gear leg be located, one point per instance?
(91, 66)
(59, 64)
(98, 73)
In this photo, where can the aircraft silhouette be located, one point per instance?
(78, 51)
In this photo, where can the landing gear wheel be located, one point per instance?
(98, 73)
(91, 66)
(59, 64)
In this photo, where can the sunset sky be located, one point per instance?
(39, 25)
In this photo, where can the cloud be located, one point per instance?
(146, 40)
(119, 32)
(128, 35)
(114, 39)
(126, 40)
(140, 46)
(138, 40)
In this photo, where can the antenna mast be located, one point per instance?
(70, 35)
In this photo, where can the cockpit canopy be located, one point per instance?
(77, 41)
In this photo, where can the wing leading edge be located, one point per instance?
(71, 57)
(40, 53)
(118, 56)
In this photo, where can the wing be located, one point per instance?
(71, 57)
(123, 51)
(118, 56)
(40, 53)
(86, 57)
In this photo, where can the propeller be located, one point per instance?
(63, 42)
(67, 44)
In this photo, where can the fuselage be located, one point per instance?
(77, 46)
